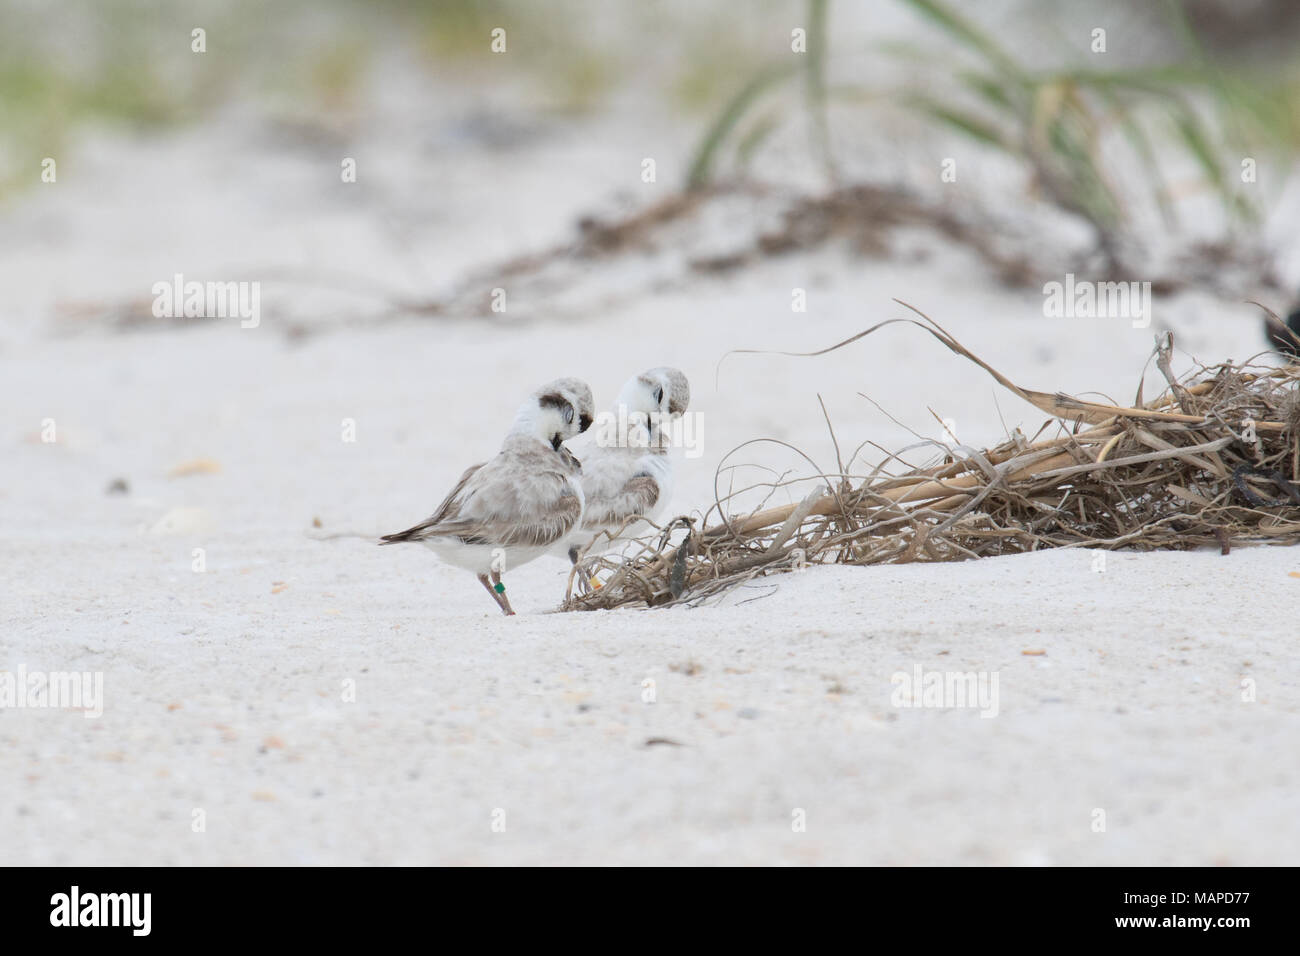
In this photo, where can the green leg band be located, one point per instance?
(499, 587)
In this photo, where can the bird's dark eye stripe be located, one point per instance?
(584, 420)
(555, 400)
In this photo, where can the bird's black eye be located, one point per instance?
(568, 414)
(659, 395)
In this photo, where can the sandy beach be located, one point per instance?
(272, 698)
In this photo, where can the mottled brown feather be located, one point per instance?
(487, 506)
(637, 497)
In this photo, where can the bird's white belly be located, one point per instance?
(481, 558)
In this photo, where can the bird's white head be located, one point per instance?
(653, 399)
(557, 411)
(659, 391)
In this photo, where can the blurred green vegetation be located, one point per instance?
(129, 63)
(1214, 111)
(67, 64)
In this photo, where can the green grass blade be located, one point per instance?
(967, 33)
(706, 152)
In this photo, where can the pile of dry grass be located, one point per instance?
(1214, 460)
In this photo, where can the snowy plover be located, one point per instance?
(519, 504)
(628, 474)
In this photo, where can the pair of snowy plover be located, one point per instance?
(536, 498)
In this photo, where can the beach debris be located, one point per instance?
(1212, 461)
(195, 466)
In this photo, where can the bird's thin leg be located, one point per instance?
(499, 590)
(483, 580)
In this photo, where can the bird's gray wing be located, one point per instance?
(528, 501)
(521, 499)
(637, 497)
(447, 511)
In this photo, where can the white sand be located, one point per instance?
(224, 690)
